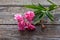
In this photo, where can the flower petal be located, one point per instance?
(29, 15)
(18, 17)
(30, 26)
(21, 25)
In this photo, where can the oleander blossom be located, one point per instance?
(21, 23)
(25, 25)
(29, 15)
(30, 26)
(18, 17)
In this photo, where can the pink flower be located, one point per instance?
(30, 26)
(29, 15)
(18, 17)
(21, 25)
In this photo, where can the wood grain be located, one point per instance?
(26, 2)
(10, 32)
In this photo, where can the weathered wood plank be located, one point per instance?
(9, 19)
(19, 5)
(23, 2)
(12, 10)
(10, 32)
(7, 14)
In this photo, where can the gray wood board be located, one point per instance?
(10, 32)
(26, 2)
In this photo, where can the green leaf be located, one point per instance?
(31, 6)
(51, 2)
(50, 16)
(52, 6)
(37, 11)
(38, 18)
(41, 6)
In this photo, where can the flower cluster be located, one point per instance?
(25, 21)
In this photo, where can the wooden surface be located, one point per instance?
(26, 2)
(9, 31)
(8, 26)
